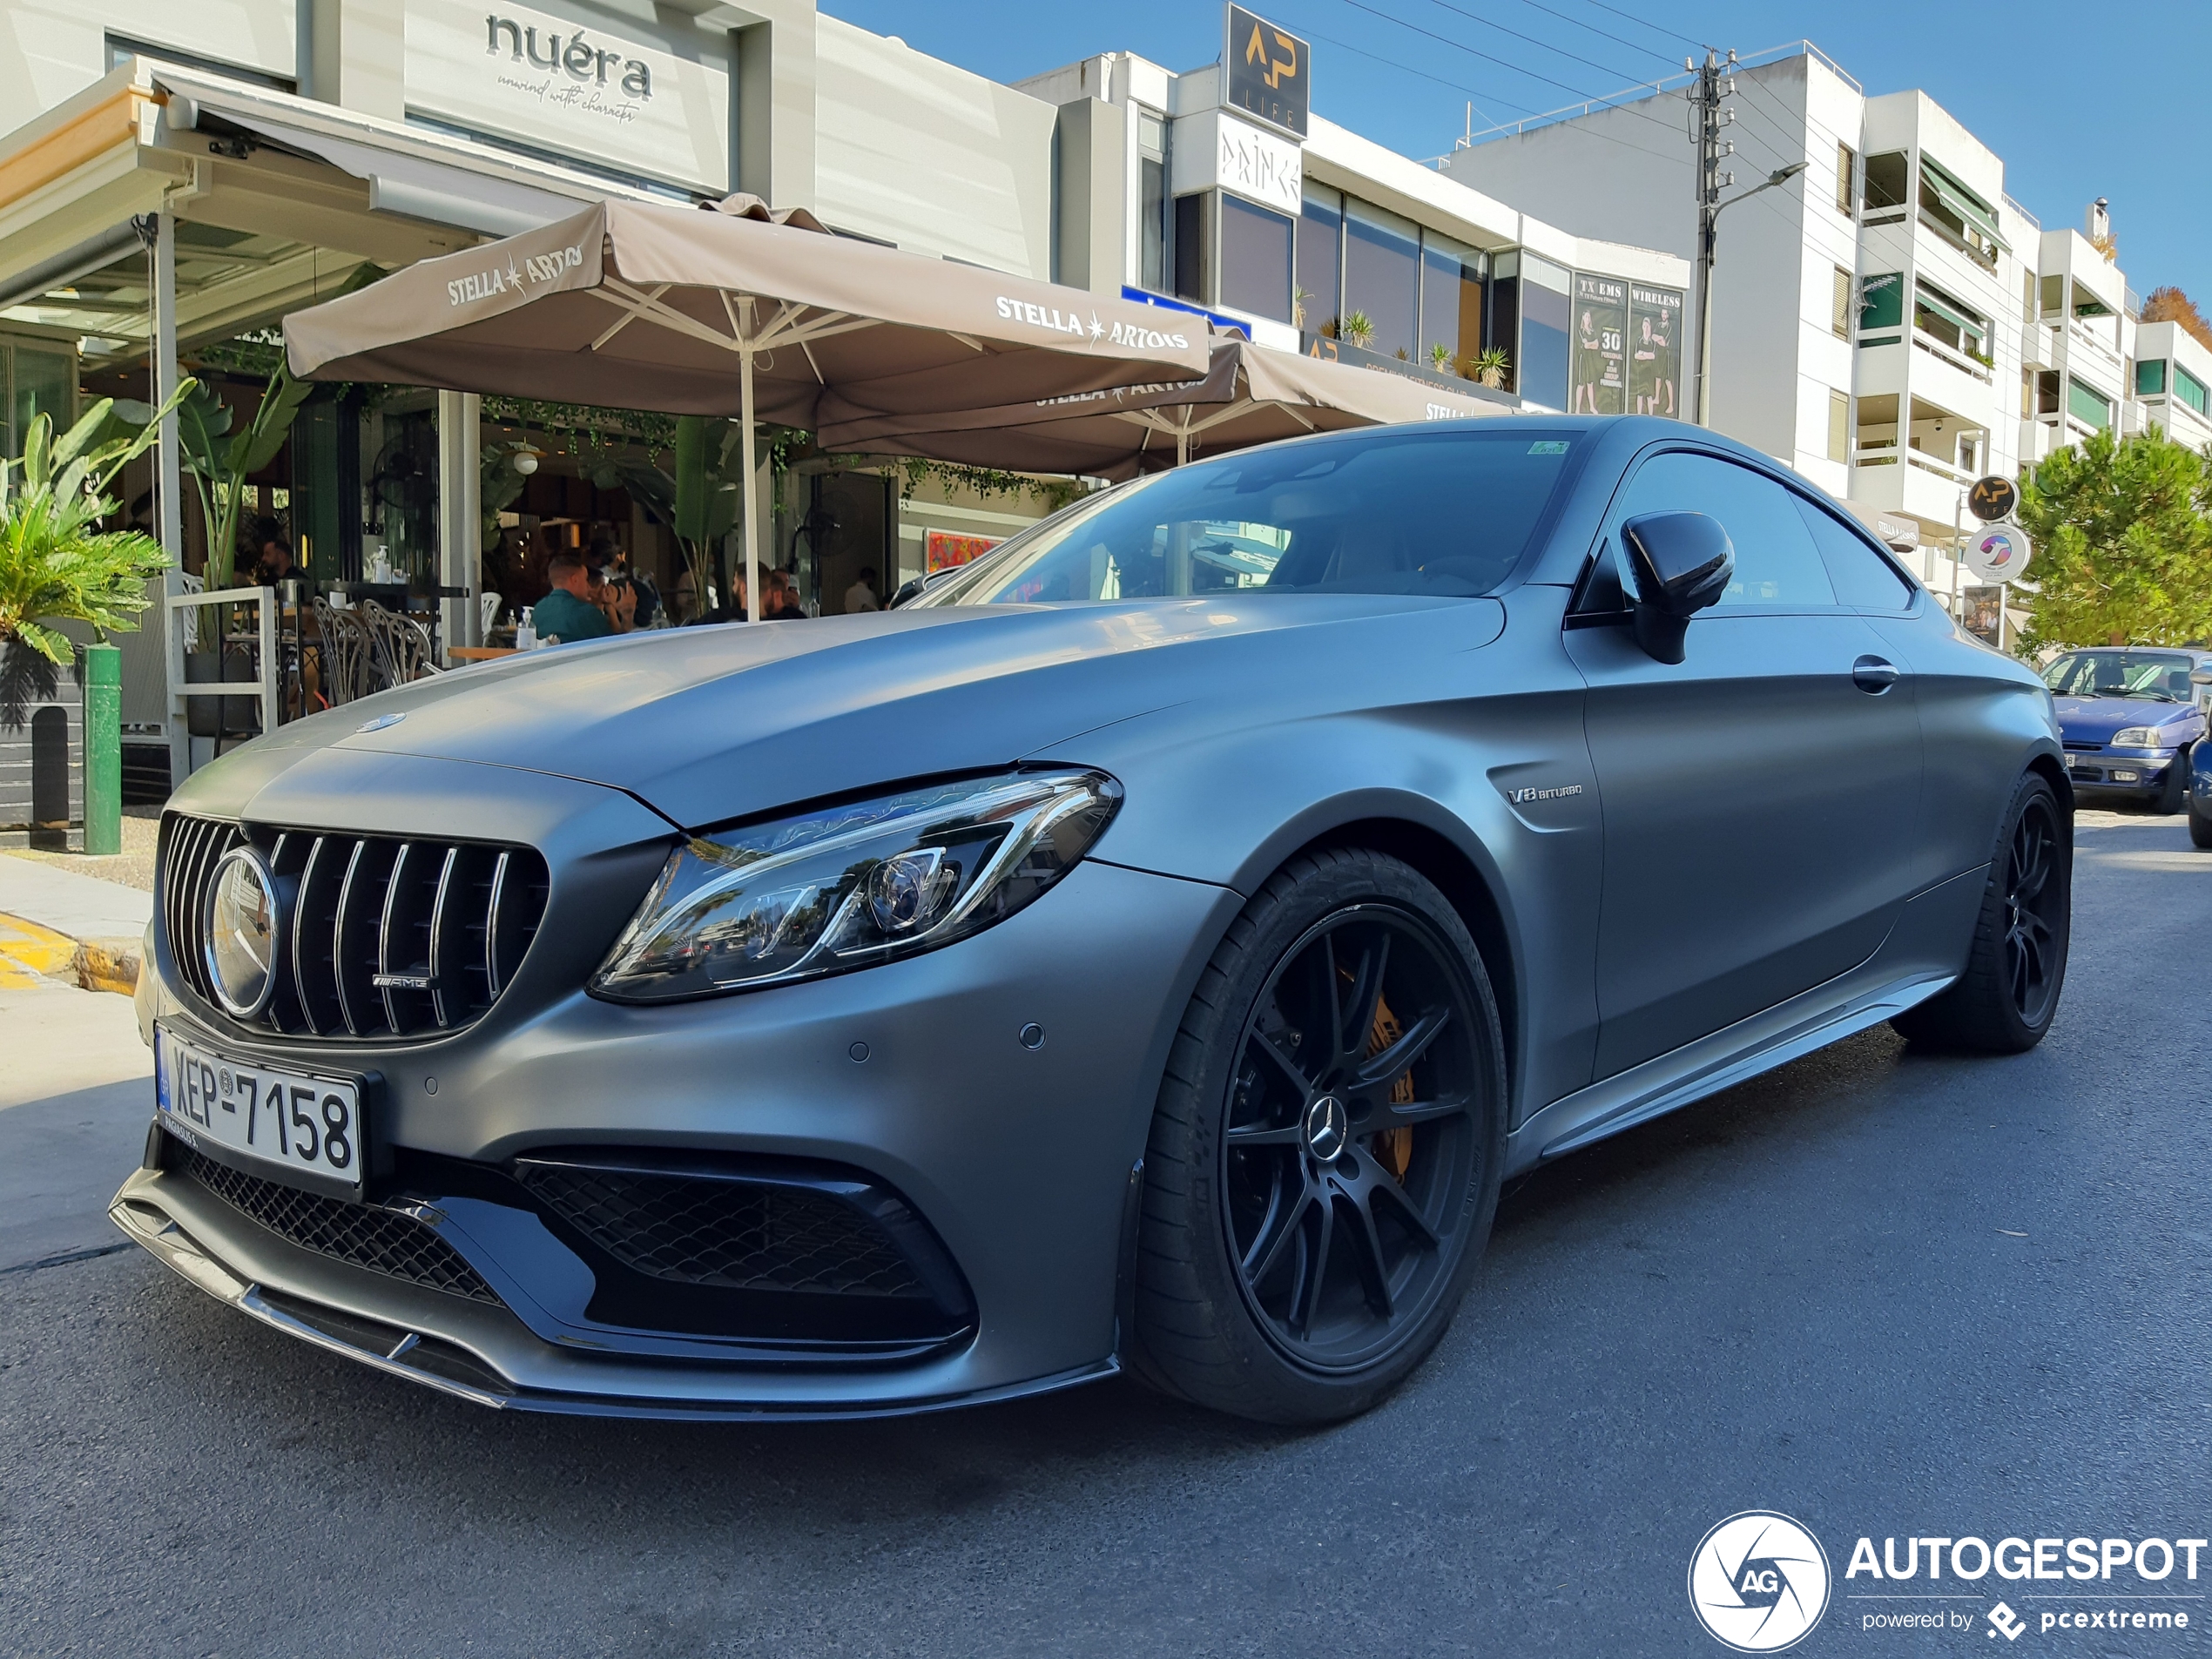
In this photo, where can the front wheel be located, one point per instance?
(2174, 796)
(1325, 1153)
(2016, 967)
(2200, 801)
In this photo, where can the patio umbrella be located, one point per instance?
(632, 304)
(1249, 395)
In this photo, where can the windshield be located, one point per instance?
(2160, 676)
(1442, 513)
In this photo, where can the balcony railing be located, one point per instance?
(1959, 361)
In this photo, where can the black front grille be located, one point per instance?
(380, 937)
(383, 1241)
(731, 1234)
(2083, 748)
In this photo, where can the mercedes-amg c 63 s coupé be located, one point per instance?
(1148, 950)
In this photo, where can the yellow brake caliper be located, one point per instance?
(1394, 1147)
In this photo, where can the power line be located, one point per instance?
(1658, 28)
(1577, 23)
(1543, 45)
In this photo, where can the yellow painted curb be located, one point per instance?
(29, 952)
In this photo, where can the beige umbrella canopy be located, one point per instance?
(1250, 395)
(637, 305)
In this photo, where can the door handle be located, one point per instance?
(1874, 675)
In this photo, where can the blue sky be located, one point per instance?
(2080, 102)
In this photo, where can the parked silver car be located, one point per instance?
(1150, 950)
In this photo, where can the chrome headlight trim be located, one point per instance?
(833, 889)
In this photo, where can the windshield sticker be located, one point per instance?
(1548, 447)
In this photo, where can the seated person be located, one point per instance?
(274, 563)
(570, 610)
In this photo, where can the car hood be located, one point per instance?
(2093, 720)
(706, 725)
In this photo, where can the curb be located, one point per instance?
(29, 953)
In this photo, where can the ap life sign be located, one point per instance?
(569, 88)
(1267, 72)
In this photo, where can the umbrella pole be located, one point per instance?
(752, 492)
(1183, 445)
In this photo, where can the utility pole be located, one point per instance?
(1707, 117)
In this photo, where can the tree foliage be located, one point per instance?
(56, 563)
(2169, 304)
(2123, 542)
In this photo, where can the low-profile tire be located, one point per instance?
(1325, 1155)
(2007, 998)
(2174, 796)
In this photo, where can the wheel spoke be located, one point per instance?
(1273, 1050)
(1242, 1135)
(1305, 1301)
(1366, 998)
(1407, 1210)
(1266, 1253)
(1374, 1271)
(1398, 1058)
(1394, 1116)
(1336, 1001)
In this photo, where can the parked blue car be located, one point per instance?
(2129, 717)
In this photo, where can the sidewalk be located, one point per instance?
(56, 924)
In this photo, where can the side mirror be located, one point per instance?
(1683, 563)
(2200, 676)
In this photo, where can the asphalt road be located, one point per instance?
(1887, 1295)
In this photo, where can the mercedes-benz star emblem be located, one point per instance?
(1326, 1127)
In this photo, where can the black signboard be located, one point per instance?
(1269, 71)
(1601, 331)
(1992, 498)
(1655, 350)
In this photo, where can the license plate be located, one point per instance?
(293, 1120)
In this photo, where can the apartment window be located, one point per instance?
(2028, 296)
(1191, 265)
(2054, 296)
(1958, 214)
(1938, 315)
(2191, 390)
(1152, 206)
(1881, 302)
(2087, 405)
(1320, 260)
(1382, 278)
(1255, 258)
(2046, 392)
(1841, 304)
(2150, 377)
(1838, 427)
(2027, 392)
(1888, 179)
(1846, 166)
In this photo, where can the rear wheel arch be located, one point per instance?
(2053, 771)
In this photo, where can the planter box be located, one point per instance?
(42, 750)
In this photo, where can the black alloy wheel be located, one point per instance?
(2173, 794)
(2015, 968)
(2034, 904)
(1350, 1137)
(1325, 1150)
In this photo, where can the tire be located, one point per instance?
(1312, 1212)
(2174, 797)
(2015, 971)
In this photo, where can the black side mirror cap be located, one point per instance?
(1683, 563)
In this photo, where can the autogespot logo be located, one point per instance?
(1758, 1582)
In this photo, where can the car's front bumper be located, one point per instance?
(2117, 772)
(1017, 1158)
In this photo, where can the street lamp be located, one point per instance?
(1779, 176)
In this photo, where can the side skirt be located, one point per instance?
(1923, 956)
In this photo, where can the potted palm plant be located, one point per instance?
(1357, 328)
(57, 567)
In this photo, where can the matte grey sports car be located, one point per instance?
(1149, 951)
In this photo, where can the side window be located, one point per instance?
(1864, 577)
(1777, 567)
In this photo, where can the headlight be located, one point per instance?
(2138, 737)
(851, 885)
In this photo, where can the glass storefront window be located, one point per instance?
(36, 382)
(1381, 278)
(1503, 324)
(1544, 308)
(1152, 202)
(1255, 258)
(1320, 260)
(1453, 277)
(1191, 261)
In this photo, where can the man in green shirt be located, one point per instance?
(568, 613)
